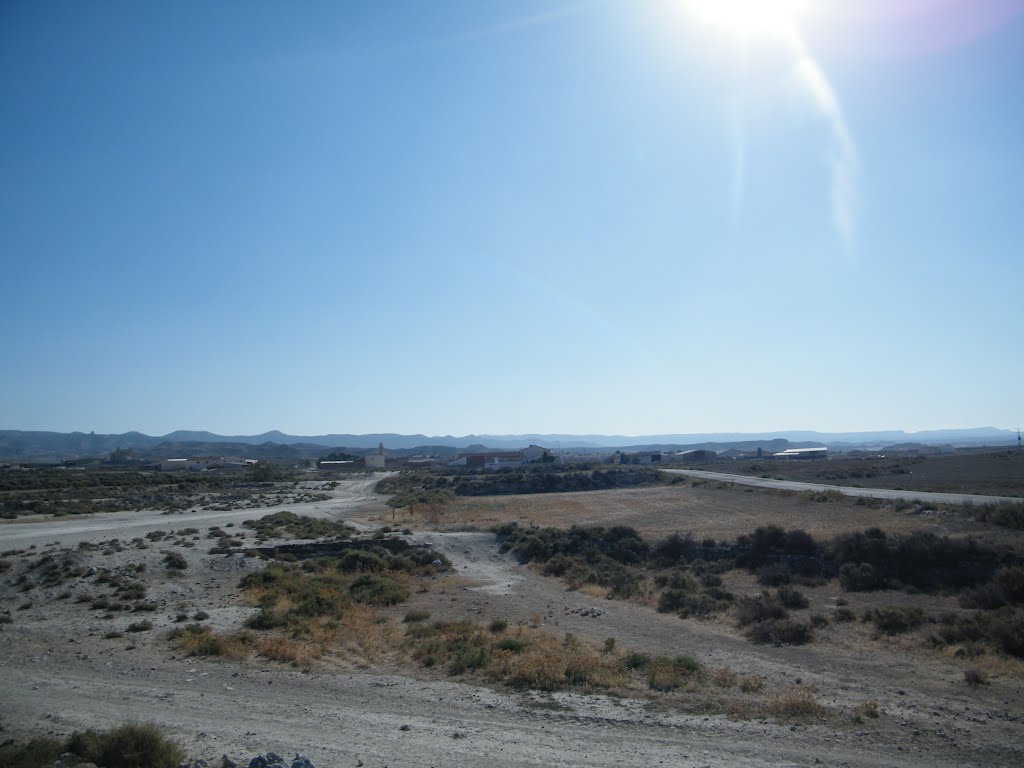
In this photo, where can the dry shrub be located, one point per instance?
(843, 615)
(284, 649)
(795, 702)
(498, 626)
(866, 709)
(724, 677)
(42, 750)
(132, 745)
(751, 683)
(896, 620)
(537, 671)
(587, 669)
(197, 640)
(593, 590)
(667, 674)
(780, 632)
(362, 633)
(975, 677)
(526, 658)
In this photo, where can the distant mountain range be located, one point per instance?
(18, 445)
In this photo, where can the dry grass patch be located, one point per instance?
(751, 683)
(526, 658)
(294, 652)
(797, 701)
(593, 590)
(724, 677)
(197, 640)
(707, 511)
(365, 636)
(866, 709)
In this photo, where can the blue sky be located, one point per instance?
(462, 217)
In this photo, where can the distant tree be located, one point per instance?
(122, 455)
(337, 456)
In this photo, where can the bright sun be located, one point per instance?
(750, 18)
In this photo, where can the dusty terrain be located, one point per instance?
(61, 673)
(705, 509)
(991, 473)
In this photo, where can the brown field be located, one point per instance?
(707, 510)
(999, 473)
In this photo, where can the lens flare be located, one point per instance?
(750, 18)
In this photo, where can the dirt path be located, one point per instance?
(349, 496)
(60, 674)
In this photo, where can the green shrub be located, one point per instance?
(635, 660)
(844, 614)
(128, 746)
(665, 673)
(197, 640)
(467, 656)
(362, 560)
(373, 589)
(498, 626)
(414, 616)
(700, 604)
(923, 560)
(40, 752)
(893, 620)
(175, 561)
(1003, 628)
(764, 607)
(860, 577)
(792, 598)
(779, 632)
(513, 644)
(289, 525)
(774, 574)
(1009, 514)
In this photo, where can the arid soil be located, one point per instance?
(705, 509)
(996, 473)
(61, 671)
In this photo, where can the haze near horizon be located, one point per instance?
(667, 216)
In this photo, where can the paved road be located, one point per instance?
(846, 490)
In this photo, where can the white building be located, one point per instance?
(802, 453)
(376, 460)
(534, 453)
(193, 464)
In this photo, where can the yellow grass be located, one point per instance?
(717, 512)
(724, 677)
(593, 590)
(795, 702)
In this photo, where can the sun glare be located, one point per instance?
(750, 18)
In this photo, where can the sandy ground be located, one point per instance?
(60, 673)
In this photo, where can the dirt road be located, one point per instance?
(61, 672)
(350, 496)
